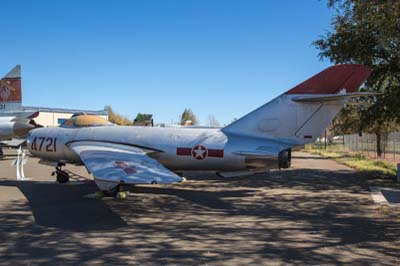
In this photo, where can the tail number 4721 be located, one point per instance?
(44, 144)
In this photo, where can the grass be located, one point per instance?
(369, 165)
(356, 161)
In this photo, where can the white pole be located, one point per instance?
(18, 162)
(22, 164)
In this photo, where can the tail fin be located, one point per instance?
(10, 90)
(300, 121)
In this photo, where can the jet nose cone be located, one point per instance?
(21, 129)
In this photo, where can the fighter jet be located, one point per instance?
(15, 122)
(259, 141)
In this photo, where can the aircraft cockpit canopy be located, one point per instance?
(84, 120)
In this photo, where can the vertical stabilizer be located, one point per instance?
(10, 91)
(301, 114)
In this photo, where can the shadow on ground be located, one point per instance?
(304, 217)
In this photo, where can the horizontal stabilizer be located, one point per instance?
(331, 97)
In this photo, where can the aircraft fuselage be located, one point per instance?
(179, 149)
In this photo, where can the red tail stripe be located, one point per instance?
(215, 153)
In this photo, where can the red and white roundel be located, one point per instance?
(199, 152)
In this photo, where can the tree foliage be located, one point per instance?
(143, 120)
(368, 33)
(188, 115)
(347, 122)
(116, 118)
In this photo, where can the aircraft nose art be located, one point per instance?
(43, 141)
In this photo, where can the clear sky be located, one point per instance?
(217, 57)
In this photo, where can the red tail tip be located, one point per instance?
(333, 79)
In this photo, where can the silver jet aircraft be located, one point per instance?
(15, 122)
(261, 140)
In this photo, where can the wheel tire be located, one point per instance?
(62, 177)
(113, 192)
(122, 195)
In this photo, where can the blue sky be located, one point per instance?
(217, 57)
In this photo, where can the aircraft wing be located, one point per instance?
(12, 143)
(122, 164)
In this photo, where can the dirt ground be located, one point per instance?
(317, 213)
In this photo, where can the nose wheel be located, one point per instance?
(61, 176)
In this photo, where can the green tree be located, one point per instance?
(188, 115)
(348, 121)
(143, 120)
(367, 32)
(116, 118)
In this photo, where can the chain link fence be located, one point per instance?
(366, 144)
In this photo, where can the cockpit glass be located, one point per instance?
(68, 123)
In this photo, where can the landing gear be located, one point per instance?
(113, 192)
(111, 189)
(61, 176)
(122, 195)
(116, 192)
(1, 153)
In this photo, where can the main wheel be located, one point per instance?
(62, 177)
(122, 195)
(113, 192)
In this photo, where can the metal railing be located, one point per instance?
(366, 144)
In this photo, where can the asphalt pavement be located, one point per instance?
(317, 213)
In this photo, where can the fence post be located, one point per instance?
(398, 172)
(357, 138)
(385, 137)
(394, 146)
